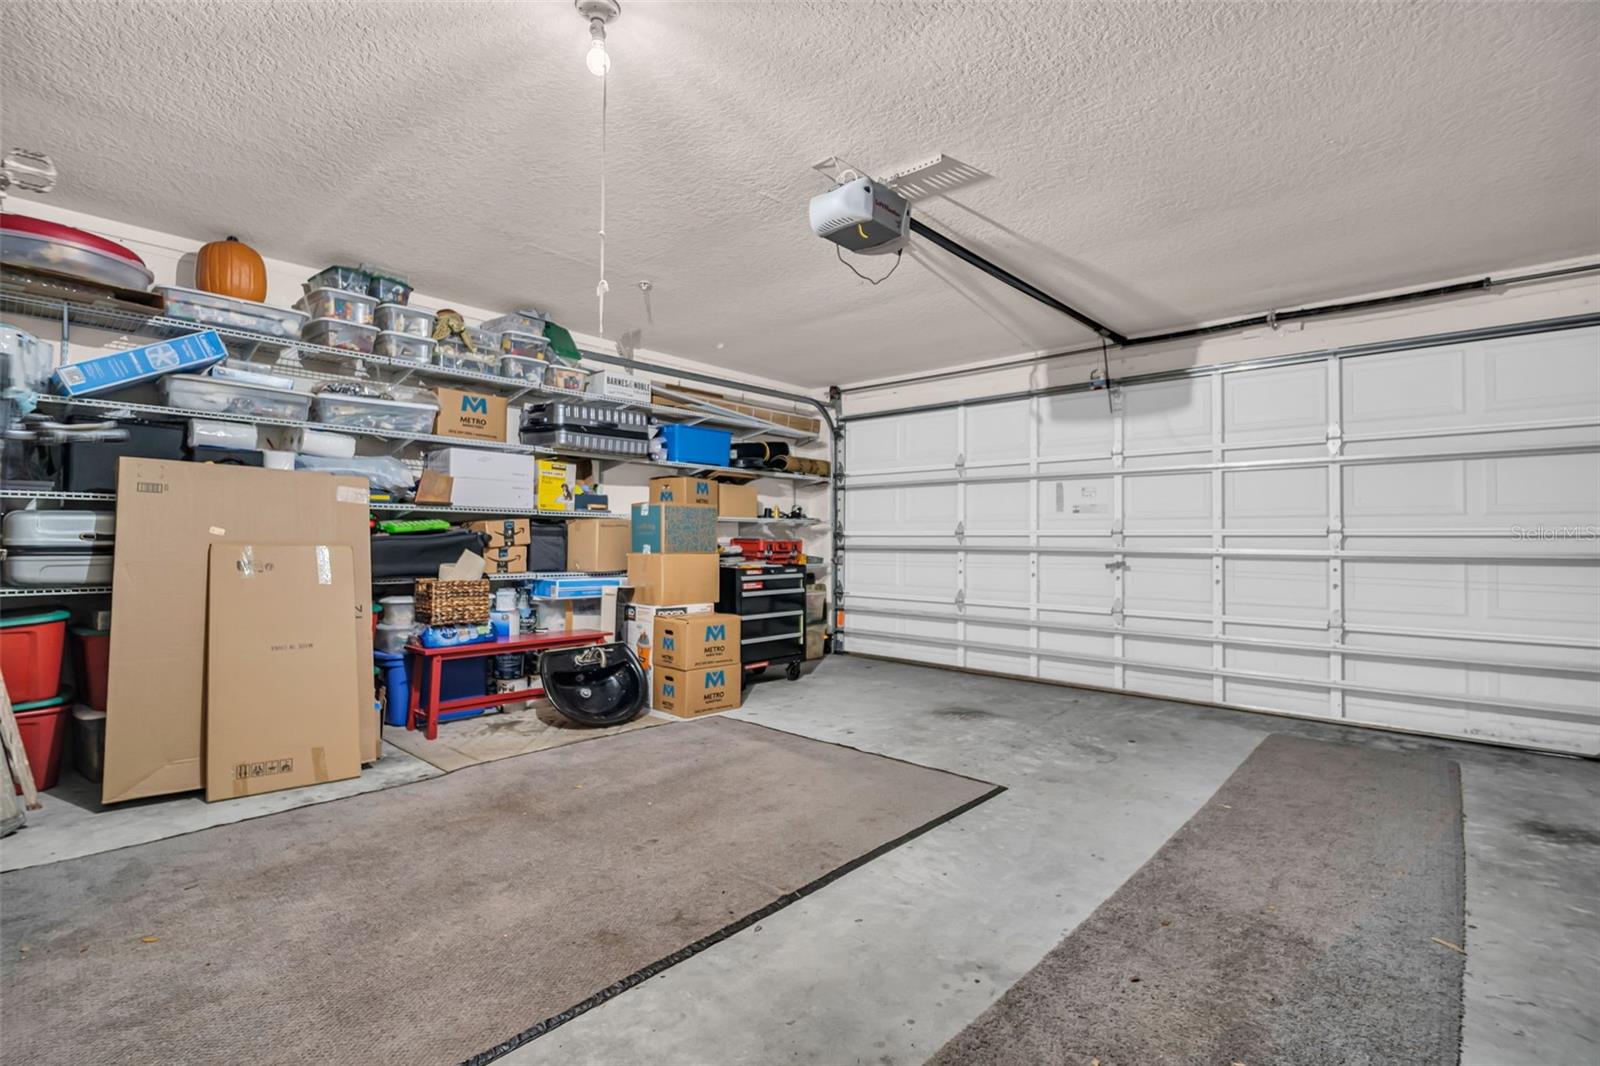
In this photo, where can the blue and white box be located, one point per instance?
(117, 370)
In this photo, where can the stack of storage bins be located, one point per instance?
(31, 647)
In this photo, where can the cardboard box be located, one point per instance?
(638, 626)
(168, 516)
(504, 532)
(683, 642)
(475, 415)
(737, 501)
(691, 490)
(674, 577)
(556, 485)
(483, 464)
(703, 690)
(598, 544)
(673, 527)
(280, 664)
(116, 370)
(507, 560)
(614, 384)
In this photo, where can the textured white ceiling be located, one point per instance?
(1157, 164)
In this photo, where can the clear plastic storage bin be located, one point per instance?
(404, 346)
(452, 358)
(216, 396)
(390, 289)
(209, 309)
(339, 303)
(358, 412)
(398, 318)
(524, 321)
(337, 333)
(567, 378)
(524, 368)
(349, 279)
(528, 345)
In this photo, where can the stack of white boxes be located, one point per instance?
(486, 479)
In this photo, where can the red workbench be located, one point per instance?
(424, 714)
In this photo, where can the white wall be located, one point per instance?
(1500, 306)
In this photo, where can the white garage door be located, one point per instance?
(1404, 539)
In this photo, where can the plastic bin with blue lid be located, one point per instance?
(697, 444)
(459, 679)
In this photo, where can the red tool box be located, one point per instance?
(769, 551)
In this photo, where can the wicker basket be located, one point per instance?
(451, 602)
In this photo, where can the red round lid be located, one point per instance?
(54, 231)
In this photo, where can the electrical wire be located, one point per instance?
(604, 287)
(863, 277)
(1105, 365)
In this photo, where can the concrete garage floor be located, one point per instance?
(884, 965)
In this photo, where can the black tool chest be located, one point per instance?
(770, 600)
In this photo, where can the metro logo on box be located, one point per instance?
(684, 490)
(687, 693)
(689, 642)
(668, 689)
(716, 678)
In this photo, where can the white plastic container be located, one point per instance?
(312, 442)
(404, 346)
(358, 412)
(399, 318)
(337, 333)
(205, 433)
(216, 396)
(209, 309)
(342, 304)
(392, 637)
(230, 372)
(399, 610)
(273, 459)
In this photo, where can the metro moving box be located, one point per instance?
(168, 516)
(703, 690)
(692, 490)
(639, 626)
(674, 527)
(474, 415)
(678, 577)
(687, 641)
(597, 544)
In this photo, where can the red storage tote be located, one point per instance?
(94, 652)
(43, 725)
(30, 654)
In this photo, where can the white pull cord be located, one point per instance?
(604, 287)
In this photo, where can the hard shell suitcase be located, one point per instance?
(44, 548)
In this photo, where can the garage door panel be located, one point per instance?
(1295, 498)
(1167, 415)
(1341, 633)
(1275, 588)
(1177, 585)
(1073, 425)
(1286, 403)
(1166, 501)
(999, 433)
(1000, 506)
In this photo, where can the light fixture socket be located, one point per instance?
(603, 10)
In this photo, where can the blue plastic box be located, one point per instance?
(117, 370)
(459, 679)
(573, 588)
(697, 444)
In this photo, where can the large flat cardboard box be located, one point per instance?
(691, 490)
(504, 532)
(596, 544)
(280, 669)
(737, 501)
(673, 527)
(684, 642)
(168, 516)
(673, 577)
(704, 690)
(474, 415)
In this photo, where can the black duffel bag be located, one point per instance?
(421, 554)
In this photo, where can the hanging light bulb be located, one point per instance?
(598, 12)
(598, 61)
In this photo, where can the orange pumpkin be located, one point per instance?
(231, 268)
